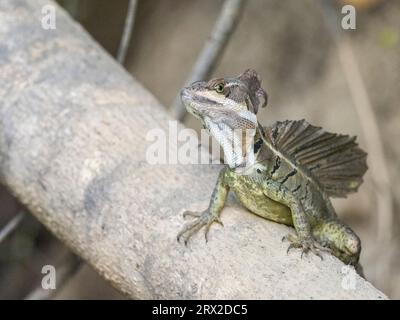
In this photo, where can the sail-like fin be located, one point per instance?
(334, 161)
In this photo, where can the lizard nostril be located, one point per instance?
(185, 92)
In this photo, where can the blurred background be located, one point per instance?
(346, 81)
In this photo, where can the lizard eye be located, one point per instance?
(219, 87)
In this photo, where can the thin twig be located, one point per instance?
(11, 226)
(213, 48)
(369, 124)
(126, 35)
(64, 272)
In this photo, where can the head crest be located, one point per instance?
(258, 98)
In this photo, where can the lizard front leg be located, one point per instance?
(304, 239)
(210, 215)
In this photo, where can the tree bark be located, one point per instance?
(73, 126)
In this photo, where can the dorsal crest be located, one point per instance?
(333, 161)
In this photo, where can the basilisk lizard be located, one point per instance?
(285, 173)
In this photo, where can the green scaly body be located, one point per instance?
(297, 167)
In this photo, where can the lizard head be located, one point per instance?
(227, 108)
(225, 95)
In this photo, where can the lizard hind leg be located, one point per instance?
(343, 242)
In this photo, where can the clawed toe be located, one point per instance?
(314, 250)
(201, 219)
(188, 230)
(306, 245)
(292, 246)
(192, 214)
(290, 238)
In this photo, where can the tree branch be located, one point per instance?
(11, 226)
(127, 32)
(73, 128)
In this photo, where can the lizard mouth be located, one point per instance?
(188, 100)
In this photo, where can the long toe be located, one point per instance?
(187, 230)
(201, 219)
(193, 214)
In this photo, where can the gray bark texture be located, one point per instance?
(73, 126)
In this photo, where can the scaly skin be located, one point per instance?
(262, 197)
(276, 186)
(211, 214)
